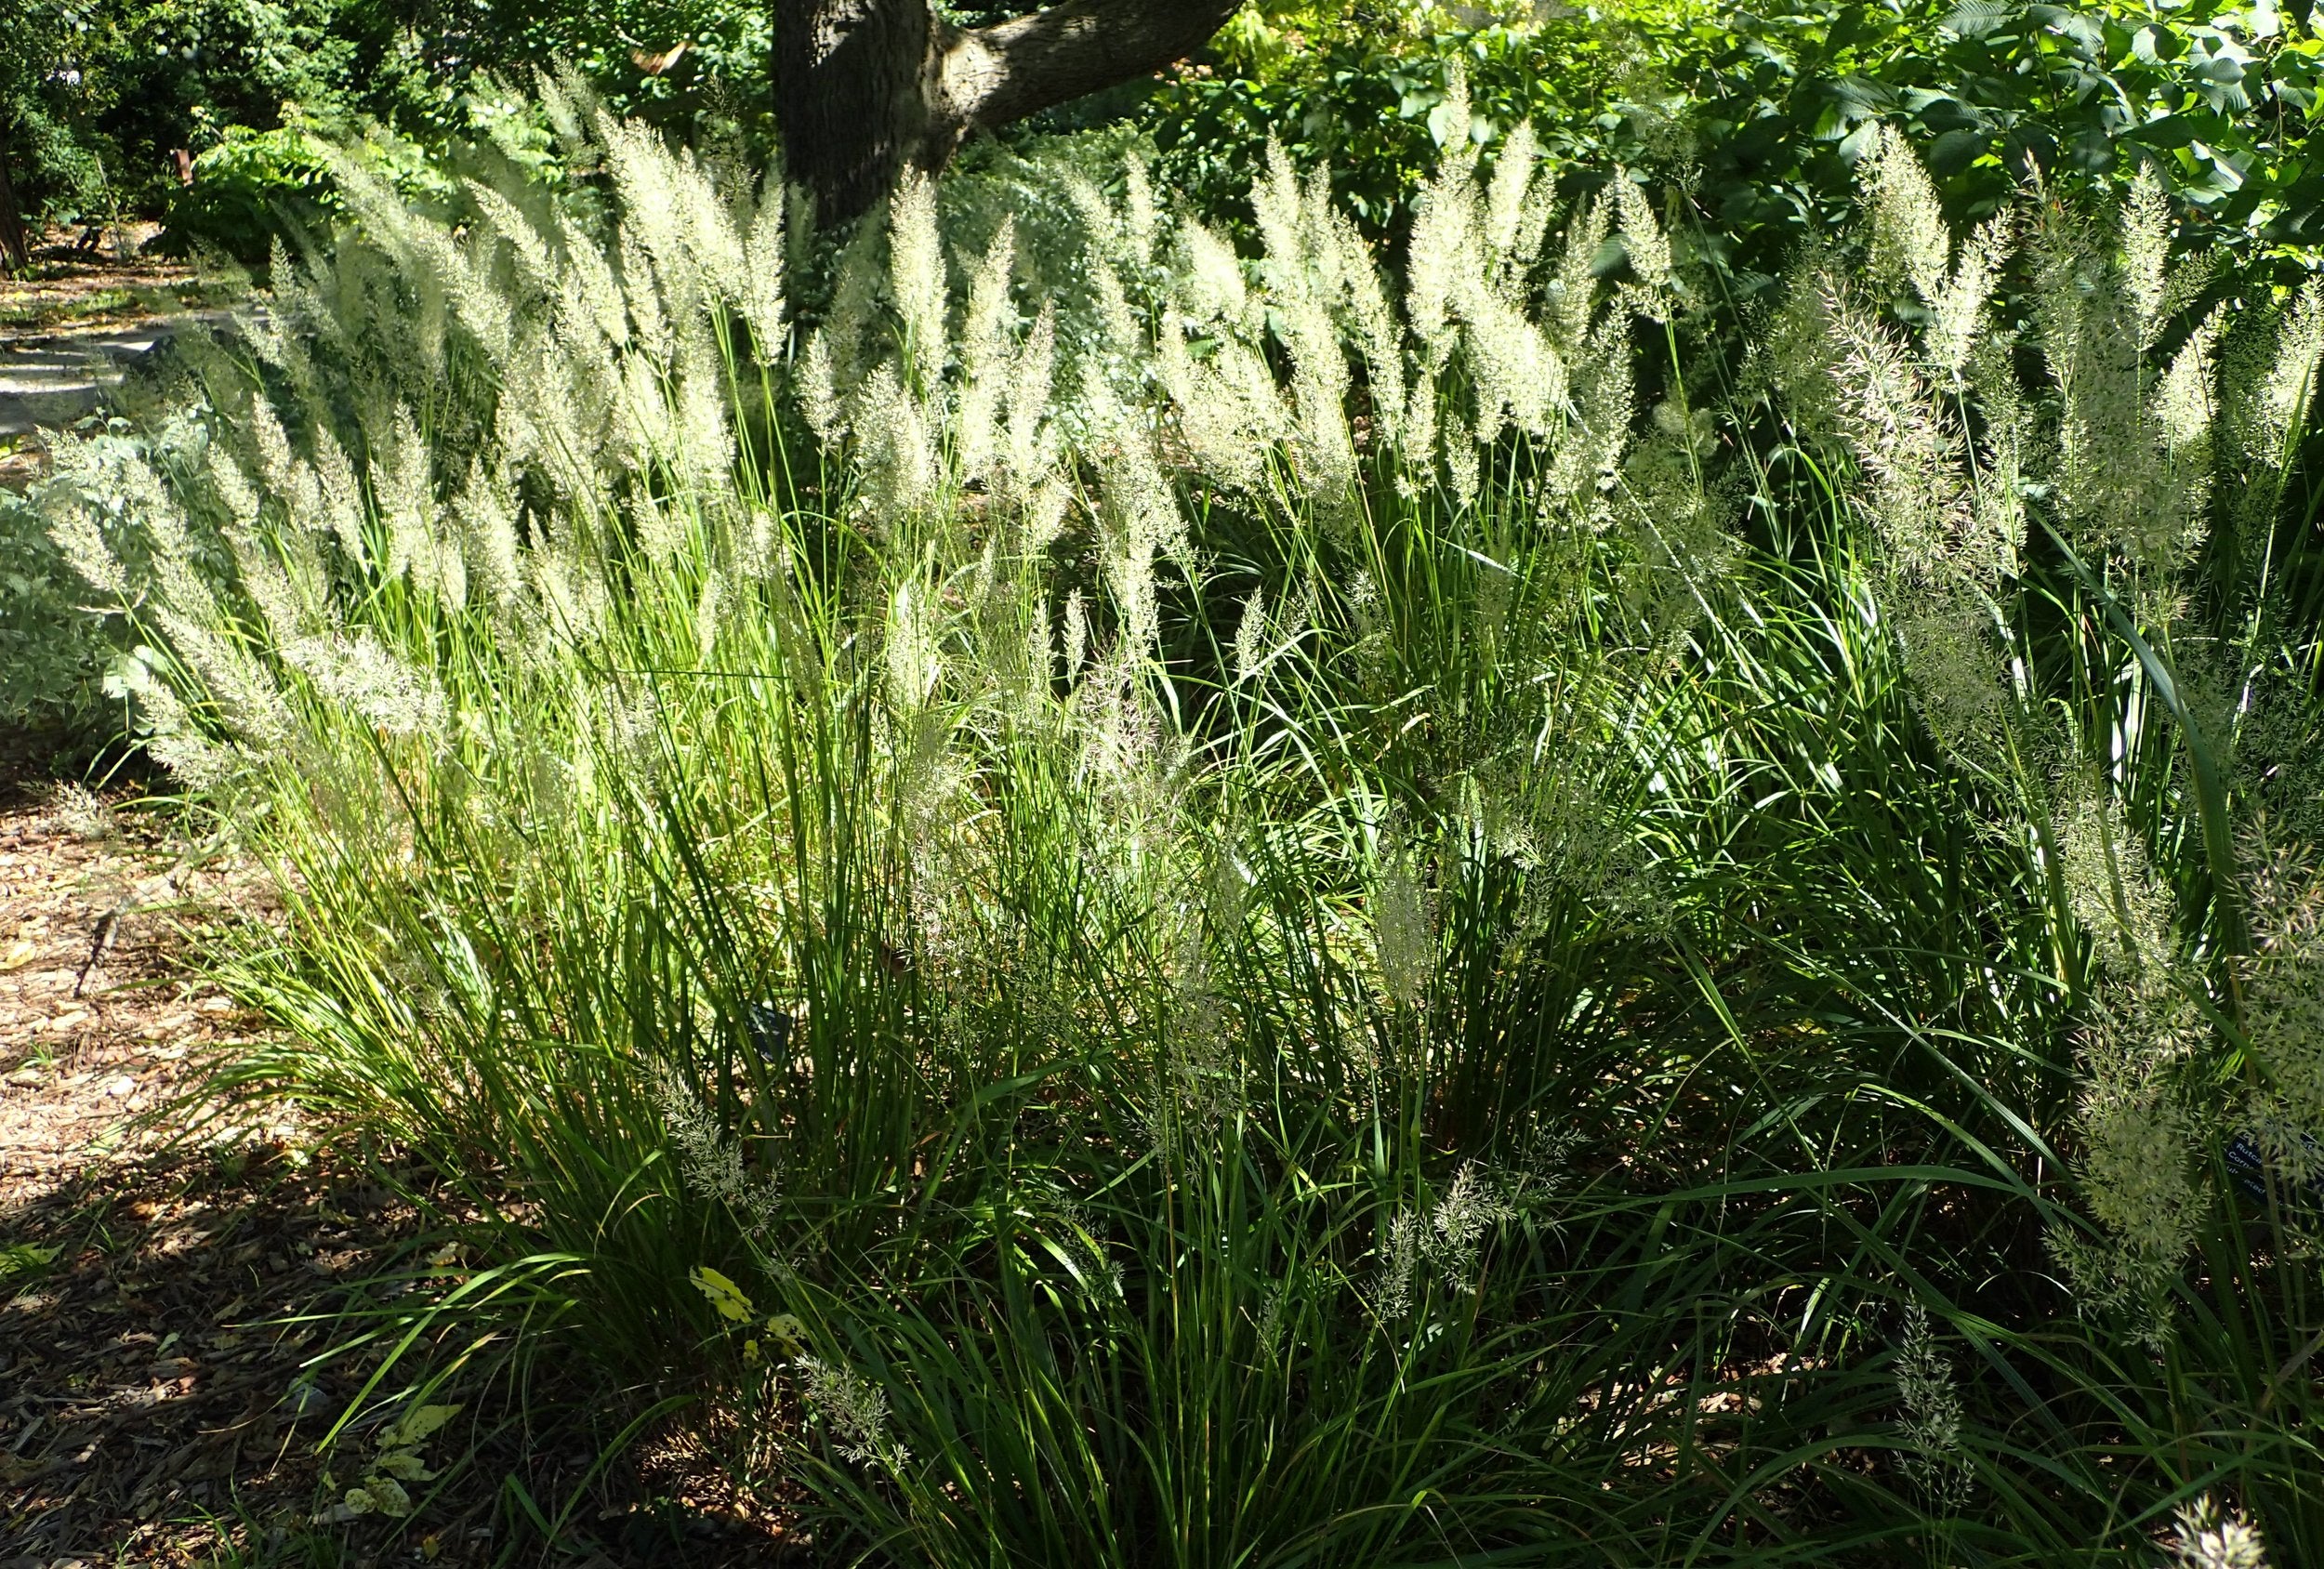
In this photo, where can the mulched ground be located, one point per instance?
(83, 280)
(169, 1275)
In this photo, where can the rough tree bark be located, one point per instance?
(16, 251)
(866, 88)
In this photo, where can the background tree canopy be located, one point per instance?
(1757, 113)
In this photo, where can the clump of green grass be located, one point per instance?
(1326, 923)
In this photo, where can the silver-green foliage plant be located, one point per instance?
(61, 639)
(1234, 900)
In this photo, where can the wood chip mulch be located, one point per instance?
(168, 1277)
(146, 1380)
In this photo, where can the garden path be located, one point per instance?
(71, 328)
(54, 378)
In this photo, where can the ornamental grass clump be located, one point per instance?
(1331, 918)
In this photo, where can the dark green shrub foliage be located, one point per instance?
(1762, 115)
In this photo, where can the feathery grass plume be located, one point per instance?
(816, 382)
(1140, 512)
(2207, 1539)
(2145, 253)
(704, 444)
(851, 311)
(1229, 410)
(1648, 249)
(558, 414)
(1202, 1087)
(2132, 446)
(1912, 246)
(1469, 1209)
(1400, 1264)
(1926, 1385)
(406, 501)
(1031, 434)
(1519, 377)
(1303, 257)
(854, 1409)
(912, 651)
(538, 270)
(1947, 516)
(1507, 195)
(74, 528)
(2137, 1145)
(713, 235)
(1076, 634)
(278, 337)
(1374, 326)
(986, 359)
(371, 680)
(1957, 315)
(765, 271)
(1404, 938)
(1209, 277)
(287, 476)
(2269, 422)
(283, 610)
(1129, 565)
(1130, 759)
(589, 301)
(1587, 457)
(341, 495)
(1276, 207)
(916, 273)
(1789, 357)
(652, 335)
(1443, 244)
(173, 738)
(708, 1159)
(1683, 549)
(209, 645)
(2112, 889)
(1572, 296)
(1960, 680)
(1921, 463)
(1142, 219)
(242, 694)
(1910, 242)
(1120, 346)
(2283, 991)
(1036, 668)
(83, 814)
(1449, 1237)
(890, 427)
(1252, 637)
(709, 609)
(647, 436)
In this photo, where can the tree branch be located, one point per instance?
(995, 74)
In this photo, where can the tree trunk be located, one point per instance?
(16, 251)
(865, 89)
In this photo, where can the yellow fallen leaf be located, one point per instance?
(724, 1294)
